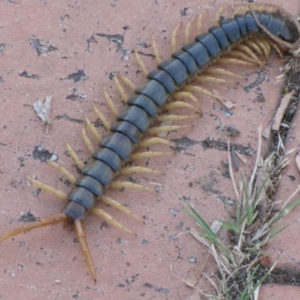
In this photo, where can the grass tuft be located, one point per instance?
(250, 227)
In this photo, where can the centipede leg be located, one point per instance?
(128, 82)
(50, 220)
(93, 130)
(75, 157)
(62, 196)
(141, 63)
(84, 246)
(87, 142)
(120, 89)
(173, 39)
(156, 51)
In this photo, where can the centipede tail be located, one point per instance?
(50, 220)
(151, 97)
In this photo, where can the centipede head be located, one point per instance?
(288, 35)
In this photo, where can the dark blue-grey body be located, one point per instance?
(149, 98)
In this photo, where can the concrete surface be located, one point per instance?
(46, 42)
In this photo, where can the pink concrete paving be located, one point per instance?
(43, 44)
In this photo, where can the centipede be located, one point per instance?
(253, 28)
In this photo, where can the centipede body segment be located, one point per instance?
(260, 28)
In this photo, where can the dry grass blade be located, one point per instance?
(252, 226)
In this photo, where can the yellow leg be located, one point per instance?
(159, 129)
(279, 52)
(205, 78)
(42, 222)
(47, 188)
(199, 24)
(110, 103)
(78, 161)
(117, 185)
(128, 82)
(181, 104)
(93, 130)
(187, 32)
(164, 118)
(87, 142)
(218, 15)
(137, 169)
(198, 89)
(265, 46)
(102, 118)
(221, 71)
(120, 89)
(119, 206)
(63, 196)
(141, 63)
(182, 95)
(253, 44)
(241, 55)
(234, 61)
(102, 214)
(173, 39)
(149, 154)
(84, 246)
(155, 140)
(248, 51)
(155, 51)
(61, 169)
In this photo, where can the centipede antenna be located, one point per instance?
(84, 246)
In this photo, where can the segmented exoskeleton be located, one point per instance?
(150, 98)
